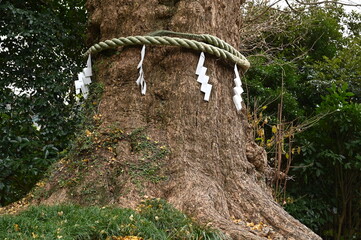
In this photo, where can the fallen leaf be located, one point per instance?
(16, 227)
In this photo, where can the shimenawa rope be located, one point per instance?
(201, 42)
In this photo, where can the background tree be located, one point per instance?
(332, 156)
(315, 48)
(38, 61)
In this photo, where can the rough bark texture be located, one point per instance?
(214, 172)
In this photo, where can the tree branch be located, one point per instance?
(327, 2)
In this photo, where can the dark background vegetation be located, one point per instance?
(309, 69)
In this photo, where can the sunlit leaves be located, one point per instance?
(37, 60)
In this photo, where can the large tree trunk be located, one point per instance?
(214, 171)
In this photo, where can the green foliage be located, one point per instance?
(154, 219)
(310, 37)
(38, 60)
(340, 69)
(150, 150)
(353, 24)
(316, 72)
(308, 31)
(310, 210)
(88, 121)
(267, 82)
(331, 168)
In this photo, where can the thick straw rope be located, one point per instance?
(201, 42)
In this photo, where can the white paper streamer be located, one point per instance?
(81, 85)
(206, 88)
(203, 78)
(237, 73)
(141, 81)
(237, 90)
(200, 64)
(88, 70)
(78, 85)
(237, 100)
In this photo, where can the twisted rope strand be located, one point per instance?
(211, 45)
(213, 40)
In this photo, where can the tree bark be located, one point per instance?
(215, 172)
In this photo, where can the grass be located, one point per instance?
(153, 219)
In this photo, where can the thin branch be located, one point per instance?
(289, 5)
(265, 11)
(302, 166)
(328, 2)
